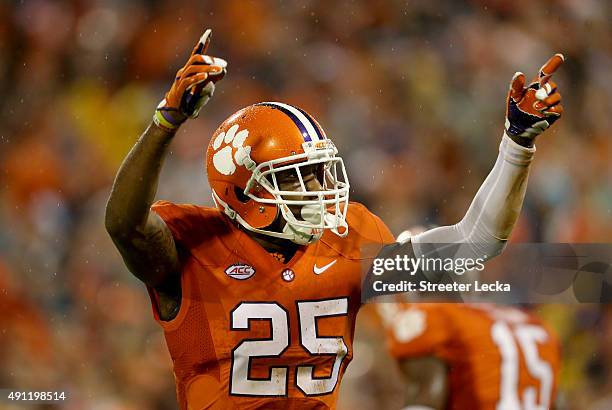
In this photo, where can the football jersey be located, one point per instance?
(499, 358)
(253, 332)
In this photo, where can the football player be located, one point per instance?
(258, 296)
(472, 356)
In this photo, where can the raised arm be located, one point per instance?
(489, 221)
(141, 236)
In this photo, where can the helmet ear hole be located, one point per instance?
(240, 195)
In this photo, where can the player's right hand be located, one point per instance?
(193, 86)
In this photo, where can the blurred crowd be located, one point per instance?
(412, 92)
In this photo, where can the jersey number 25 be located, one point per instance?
(242, 384)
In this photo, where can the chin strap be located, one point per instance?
(228, 211)
(342, 224)
(289, 233)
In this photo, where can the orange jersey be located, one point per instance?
(499, 358)
(256, 333)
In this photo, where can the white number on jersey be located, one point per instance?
(240, 382)
(275, 346)
(308, 313)
(528, 337)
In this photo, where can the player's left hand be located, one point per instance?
(532, 109)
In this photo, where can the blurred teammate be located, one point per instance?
(472, 356)
(258, 296)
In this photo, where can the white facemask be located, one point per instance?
(303, 235)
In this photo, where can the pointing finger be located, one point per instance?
(203, 43)
(550, 67)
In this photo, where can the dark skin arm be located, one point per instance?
(141, 236)
(425, 381)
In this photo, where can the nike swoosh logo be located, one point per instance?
(322, 269)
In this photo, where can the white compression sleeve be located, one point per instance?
(487, 225)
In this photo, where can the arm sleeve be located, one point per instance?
(486, 227)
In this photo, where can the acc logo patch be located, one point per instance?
(240, 271)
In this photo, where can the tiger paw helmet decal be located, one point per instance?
(230, 150)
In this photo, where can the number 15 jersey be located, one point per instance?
(498, 357)
(253, 332)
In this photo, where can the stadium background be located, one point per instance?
(412, 92)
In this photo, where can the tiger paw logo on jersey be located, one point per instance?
(240, 271)
(233, 153)
(288, 275)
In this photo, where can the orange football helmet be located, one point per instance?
(251, 147)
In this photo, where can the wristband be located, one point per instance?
(164, 120)
(163, 123)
